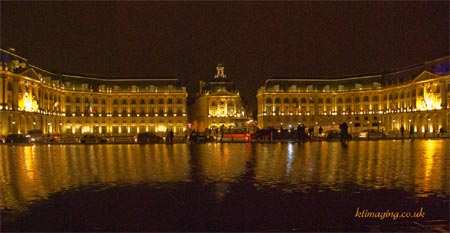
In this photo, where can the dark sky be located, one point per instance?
(254, 40)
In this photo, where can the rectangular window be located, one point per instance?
(375, 107)
(124, 130)
(142, 129)
(115, 129)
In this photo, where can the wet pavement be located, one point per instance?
(227, 187)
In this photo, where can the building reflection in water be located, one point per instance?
(419, 167)
(222, 165)
(32, 173)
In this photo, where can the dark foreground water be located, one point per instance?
(315, 186)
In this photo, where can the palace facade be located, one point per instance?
(218, 104)
(417, 96)
(33, 98)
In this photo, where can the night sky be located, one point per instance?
(254, 40)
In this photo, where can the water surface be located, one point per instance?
(220, 187)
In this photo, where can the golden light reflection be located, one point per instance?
(30, 163)
(368, 164)
(419, 166)
(430, 148)
(219, 163)
(33, 173)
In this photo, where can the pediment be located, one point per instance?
(31, 73)
(425, 75)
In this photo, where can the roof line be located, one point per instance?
(13, 54)
(119, 80)
(324, 79)
(366, 75)
(38, 68)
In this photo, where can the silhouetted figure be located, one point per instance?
(344, 132)
(167, 135)
(320, 130)
(402, 131)
(299, 128)
(301, 132)
(222, 131)
(411, 131)
(171, 136)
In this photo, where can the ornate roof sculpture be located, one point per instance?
(219, 82)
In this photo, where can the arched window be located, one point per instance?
(268, 100)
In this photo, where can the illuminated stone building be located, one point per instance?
(33, 98)
(219, 103)
(417, 95)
